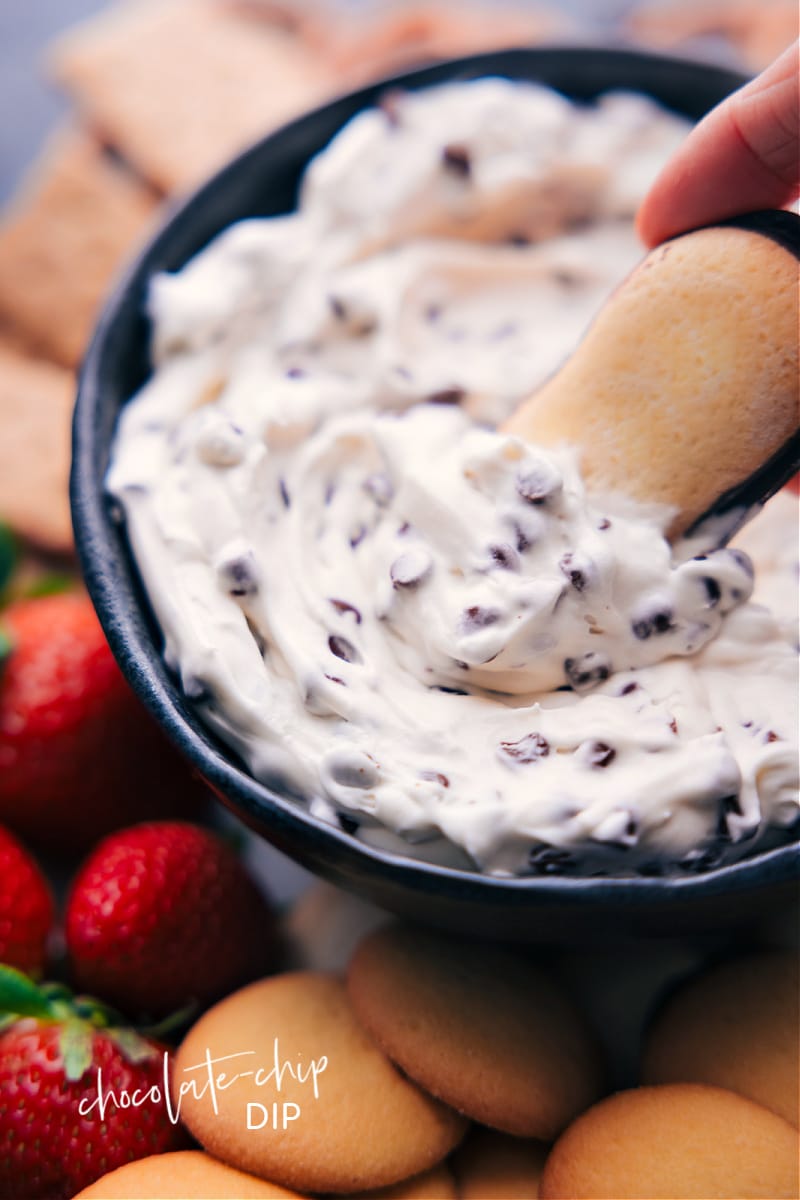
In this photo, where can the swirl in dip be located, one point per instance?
(422, 627)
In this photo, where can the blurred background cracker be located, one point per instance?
(36, 407)
(72, 223)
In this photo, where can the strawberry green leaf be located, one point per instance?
(8, 555)
(75, 1044)
(6, 646)
(133, 1046)
(49, 584)
(20, 996)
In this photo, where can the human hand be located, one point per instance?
(743, 156)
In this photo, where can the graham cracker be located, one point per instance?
(403, 35)
(180, 86)
(36, 401)
(72, 224)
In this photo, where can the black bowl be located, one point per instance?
(263, 181)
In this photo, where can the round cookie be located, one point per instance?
(327, 1111)
(184, 1175)
(477, 1026)
(437, 1184)
(495, 1166)
(686, 382)
(734, 1025)
(683, 1141)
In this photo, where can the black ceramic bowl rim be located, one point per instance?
(503, 906)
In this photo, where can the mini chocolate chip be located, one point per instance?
(342, 606)
(435, 777)
(519, 239)
(343, 649)
(347, 823)
(629, 687)
(336, 679)
(599, 754)
(410, 569)
(287, 503)
(379, 486)
(604, 524)
(451, 395)
(338, 307)
(713, 590)
(741, 560)
(549, 860)
(588, 669)
(656, 623)
(357, 537)
(478, 617)
(505, 556)
(528, 749)
(239, 576)
(433, 312)
(196, 689)
(295, 373)
(772, 736)
(330, 492)
(673, 724)
(538, 483)
(574, 574)
(451, 691)
(456, 158)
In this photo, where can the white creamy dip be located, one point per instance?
(417, 624)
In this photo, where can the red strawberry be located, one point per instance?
(164, 914)
(79, 756)
(26, 908)
(64, 1066)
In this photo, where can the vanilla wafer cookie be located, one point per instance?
(308, 1099)
(734, 1025)
(478, 1026)
(190, 1174)
(678, 1142)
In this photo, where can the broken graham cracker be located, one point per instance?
(36, 400)
(74, 222)
(180, 86)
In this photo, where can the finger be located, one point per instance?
(742, 157)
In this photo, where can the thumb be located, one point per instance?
(743, 156)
